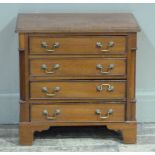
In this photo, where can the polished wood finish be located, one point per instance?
(128, 130)
(24, 82)
(26, 129)
(79, 67)
(73, 22)
(78, 112)
(78, 45)
(78, 90)
(75, 80)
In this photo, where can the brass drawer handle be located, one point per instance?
(50, 71)
(105, 50)
(105, 86)
(101, 67)
(46, 114)
(45, 90)
(107, 115)
(108, 46)
(45, 45)
(99, 44)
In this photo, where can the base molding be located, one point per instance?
(26, 129)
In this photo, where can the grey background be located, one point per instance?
(9, 61)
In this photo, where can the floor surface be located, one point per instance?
(78, 139)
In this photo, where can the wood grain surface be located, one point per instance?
(78, 113)
(78, 45)
(73, 22)
(78, 67)
(78, 90)
(77, 76)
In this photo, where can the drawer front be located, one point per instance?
(79, 112)
(78, 90)
(71, 67)
(78, 45)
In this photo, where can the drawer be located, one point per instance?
(78, 67)
(77, 45)
(78, 90)
(79, 112)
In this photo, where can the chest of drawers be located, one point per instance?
(77, 70)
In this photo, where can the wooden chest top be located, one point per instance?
(77, 23)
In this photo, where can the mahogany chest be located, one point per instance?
(77, 70)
